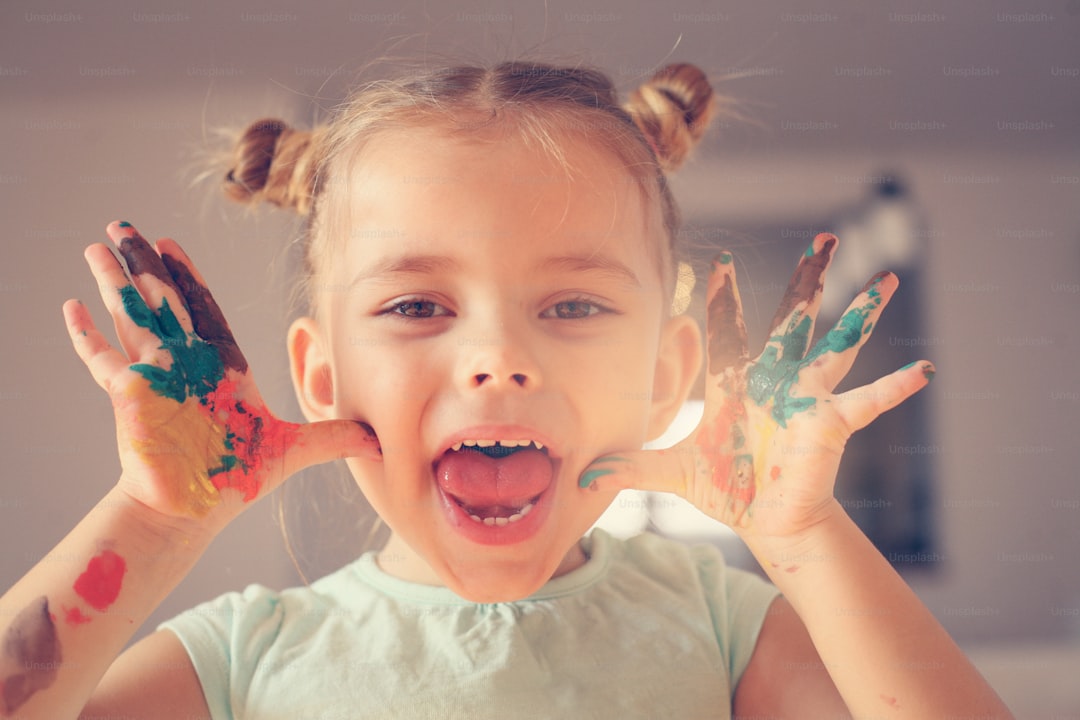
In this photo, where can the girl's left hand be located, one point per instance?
(764, 458)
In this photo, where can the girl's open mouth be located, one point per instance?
(496, 492)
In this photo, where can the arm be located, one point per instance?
(197, 445)
(57, 645)
(154, 678)
(785, 657)
(884, 650)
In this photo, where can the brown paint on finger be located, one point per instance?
(206, 317)
(805, 283)
(142, 259)
(32, 644)
(726, 330)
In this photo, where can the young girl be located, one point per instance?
(490, 342)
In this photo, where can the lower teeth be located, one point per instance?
(500, 521)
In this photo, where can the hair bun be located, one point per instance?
(673, 110)
(275, 163)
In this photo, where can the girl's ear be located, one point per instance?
(677, 366)
(310, 367)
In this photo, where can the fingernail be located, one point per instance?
(826, 244)
(723, 258)
(869, 287)
(124, 223)
(928, 371)
(589, 477)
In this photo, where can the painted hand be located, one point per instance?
(195, 436)
(764, 458)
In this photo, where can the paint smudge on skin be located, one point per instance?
(726, 331)
(774, 375)
(32, 645)
(588, 478)
(215, 442)
(732, 472)
(141, 258)
(206, 317)
(791, 569)
(196, 367)
(890, 701)
(75, 616)
(774, 473)
(806, 283)
(99, 585)
(211, 438)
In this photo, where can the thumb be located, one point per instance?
(326, 440)
(667, 470)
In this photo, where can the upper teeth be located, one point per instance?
(491, 443)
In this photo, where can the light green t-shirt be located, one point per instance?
(646, 628)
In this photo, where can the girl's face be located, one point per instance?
(483, 294)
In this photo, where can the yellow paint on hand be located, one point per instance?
(179, 444)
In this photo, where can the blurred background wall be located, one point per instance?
(107, 109)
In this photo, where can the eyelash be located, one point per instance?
(595, 308)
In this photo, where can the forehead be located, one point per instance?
(420, 187)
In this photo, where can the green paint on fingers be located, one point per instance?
(589, 477)
(196, 367)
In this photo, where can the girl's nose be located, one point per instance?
(520, 378)
(499, 360)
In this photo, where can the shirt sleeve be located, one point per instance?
(739, 601)
(225, 638)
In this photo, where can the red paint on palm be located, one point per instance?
(714, 441)
(252, 438)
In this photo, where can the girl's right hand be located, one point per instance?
(196, 440)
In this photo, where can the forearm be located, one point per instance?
(884, 650)
(69, 617)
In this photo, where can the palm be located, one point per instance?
(193, 432)
(765, 455)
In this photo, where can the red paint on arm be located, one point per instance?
(774, 472)
(99, 585)
(75, 616)
(890, 701)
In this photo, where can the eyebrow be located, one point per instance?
(432, 264)
(592, 263)
(407, 265)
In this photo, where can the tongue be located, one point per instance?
(479, 481)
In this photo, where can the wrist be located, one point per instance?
(808, 543)
(153, 527)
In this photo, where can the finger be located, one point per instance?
(102, 360)
(128, 309)
(321, 442)
(833, 355)
(803, 296)
(725, 328)
(725, 496)
(206, 317)
(667, 470)
(861, 406)
(153, 281)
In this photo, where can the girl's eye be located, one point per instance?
(417, 309)
(574, 309)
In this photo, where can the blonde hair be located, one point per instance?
(652, 134)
